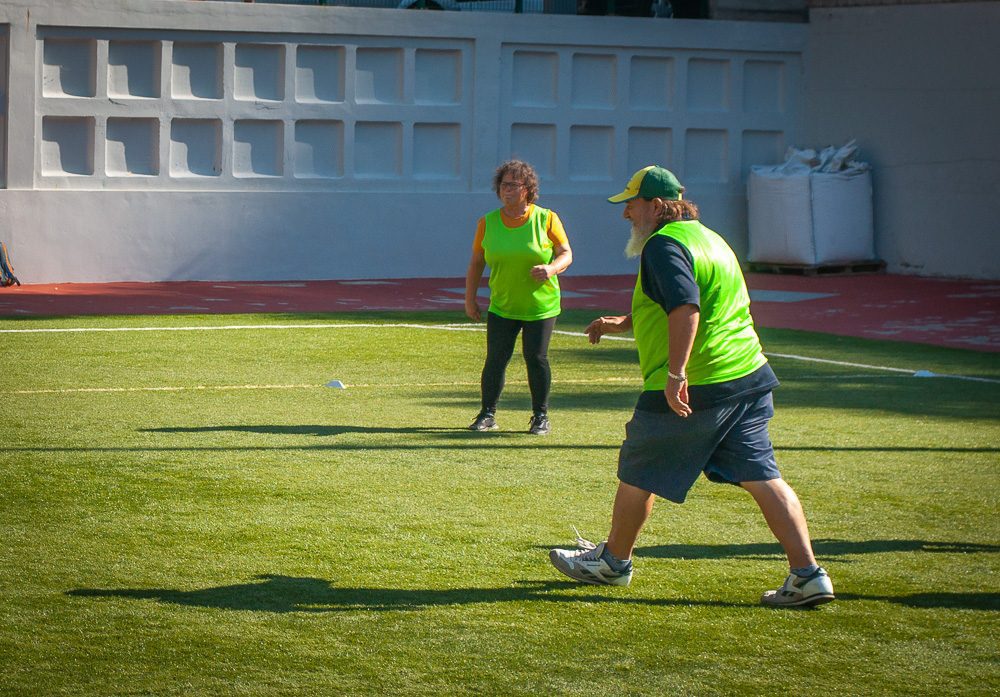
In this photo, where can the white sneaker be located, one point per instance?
(801, 591)
(587, 565)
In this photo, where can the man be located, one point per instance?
(706, 398)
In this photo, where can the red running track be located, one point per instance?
(943, 312)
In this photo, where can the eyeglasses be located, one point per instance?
(511, 185)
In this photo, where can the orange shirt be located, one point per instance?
(556, 232)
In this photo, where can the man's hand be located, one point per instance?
(683, 325)
(607, 325)
(676, 393)
(472, 310)
(543, 272)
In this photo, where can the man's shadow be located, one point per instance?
(282, 594)
(989, 602)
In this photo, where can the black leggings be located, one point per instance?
(500, 337)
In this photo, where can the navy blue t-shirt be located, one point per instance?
(668, 280)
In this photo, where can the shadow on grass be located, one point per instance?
(284, 594)
(272, 593)
(609, 396)
(462, 438)
(612, 353)
(914, 397)
(822, 548)
(527, 443)
(881, 449)
(952, 601)
(467, 435)
(315, 430)
(455, 433)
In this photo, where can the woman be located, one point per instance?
(526, 247)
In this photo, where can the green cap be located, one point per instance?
(650, 182)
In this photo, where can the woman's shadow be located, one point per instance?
(306, 429)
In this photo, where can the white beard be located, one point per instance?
(633, 247)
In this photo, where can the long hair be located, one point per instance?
(677, 210)
(521, 171)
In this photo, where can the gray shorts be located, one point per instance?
(664, 453)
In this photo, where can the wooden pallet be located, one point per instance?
(838, 269)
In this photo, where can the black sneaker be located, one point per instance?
(484, 422)
(539, 425)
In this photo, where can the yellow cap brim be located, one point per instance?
(632, 188)
(623, 196)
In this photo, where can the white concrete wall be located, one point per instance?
(918, 86)
(152, 140)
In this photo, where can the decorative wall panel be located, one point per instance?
(195, 148)
(319, 74)
(68, 68)
(258, 147)
(196, 71)
(134, 69)
(67, 145)
(319, 149)
(132, 147)
(207, 128)
(259, 73)
(591, 117)
(272, 111)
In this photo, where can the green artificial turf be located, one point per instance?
(251, 532)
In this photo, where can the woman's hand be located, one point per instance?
(543, 272)
(561, 259)
(607, 325)
(472, 277)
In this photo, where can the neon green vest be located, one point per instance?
(511, 252)
(726, 346)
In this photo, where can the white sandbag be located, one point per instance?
(780, 217)
(813, 209)
(843, 226)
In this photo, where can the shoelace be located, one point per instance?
(582, 542)
(590, 555)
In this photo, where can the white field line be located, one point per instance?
(906, 371)
(843, 364)
(230, 327)
(859, 376)
(68, 390)
(71, 390)
(443, 327)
